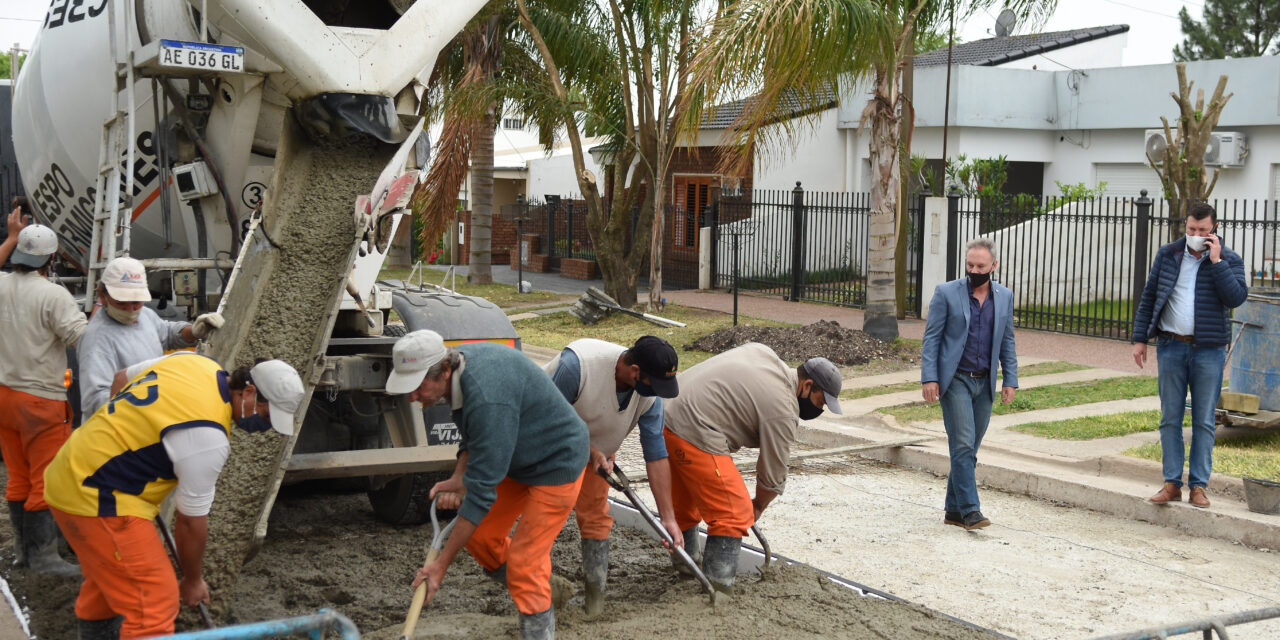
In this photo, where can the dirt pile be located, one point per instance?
(826, 338)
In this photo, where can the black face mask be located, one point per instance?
(808, 410)
(254, 423)
(977, 279)
(644, 390)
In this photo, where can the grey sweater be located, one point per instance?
(108, 346)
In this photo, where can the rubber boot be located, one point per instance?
(41, 534)
(538, 626)
(17, 513)
(595, 564)
(720, 562)
(108, 629)
(693, 547)
(498, 575)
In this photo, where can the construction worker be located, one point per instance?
(38, 321)
(614, 389)
(128, 332)
(744, 397)
(522, 454)
(167, 428)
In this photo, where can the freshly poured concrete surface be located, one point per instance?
(1042, 570)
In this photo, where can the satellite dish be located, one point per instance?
(1004, 23)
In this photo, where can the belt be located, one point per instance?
(1177, 336)
(974, 374)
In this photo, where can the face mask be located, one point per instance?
(250, 421)
(645, 390)
(977, 279)
(122, 316)
(1196, 243)
(808, 410)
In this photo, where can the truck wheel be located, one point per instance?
(405, 499)
(393, 330)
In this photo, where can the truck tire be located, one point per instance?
(393, 330)
(406, 499)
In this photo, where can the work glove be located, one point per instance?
(205, 323)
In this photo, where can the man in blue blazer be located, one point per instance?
(969, 331)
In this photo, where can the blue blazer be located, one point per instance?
(947, 330)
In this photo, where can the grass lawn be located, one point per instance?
(1044, 368)
(1256, 455)
(1092, 428)
(559, 329)
(1059, 395)
(503, 295)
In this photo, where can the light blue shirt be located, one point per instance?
(568, 376)
(1180, 311)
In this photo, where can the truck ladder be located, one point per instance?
(112, 208)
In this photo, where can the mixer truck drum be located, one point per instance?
(339, 114)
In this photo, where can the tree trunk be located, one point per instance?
(656, 237)
(904, 206)
(479, 270)
(880, 320)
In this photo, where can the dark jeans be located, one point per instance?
(1183, 367)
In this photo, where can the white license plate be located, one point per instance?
(198, 55)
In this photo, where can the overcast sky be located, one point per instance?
(1153, 24)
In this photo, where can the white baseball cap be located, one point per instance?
(281, 385)
(36, 243)
(411, 357)
(126, 280)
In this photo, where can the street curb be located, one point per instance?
(1001, 470)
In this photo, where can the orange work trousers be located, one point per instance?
(707, 487)
(32, 429)
(126, 573)
(542, 511)
(592, 508)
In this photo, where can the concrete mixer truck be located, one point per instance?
(257, 155)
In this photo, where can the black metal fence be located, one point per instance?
(807, 245)
(1079, 265)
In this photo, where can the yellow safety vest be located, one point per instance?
(115, 463)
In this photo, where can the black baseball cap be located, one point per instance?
(657, 359)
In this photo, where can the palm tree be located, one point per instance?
(794, 51)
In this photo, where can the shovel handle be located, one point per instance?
(419, 597)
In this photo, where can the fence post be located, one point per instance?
(797, 241)
(953, 231)
(1141, 241)
(918, 265)
(553, 203)
(714, 222)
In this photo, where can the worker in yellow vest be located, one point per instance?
(166, 429)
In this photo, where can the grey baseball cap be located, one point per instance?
(825, 374)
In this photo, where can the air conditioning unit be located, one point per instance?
(1226, 149)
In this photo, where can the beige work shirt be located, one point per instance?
(38, 321)
(744, 397)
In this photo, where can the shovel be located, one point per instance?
(173, 551)
(620, 482)
(420, 594)
(764, 545)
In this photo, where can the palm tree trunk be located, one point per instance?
(479, 270)
(880, 319)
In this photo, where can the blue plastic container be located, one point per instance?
(1255, 362)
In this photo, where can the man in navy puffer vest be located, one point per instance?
(1193, 284)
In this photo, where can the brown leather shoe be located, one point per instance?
(1198, 498)
(1170, 492)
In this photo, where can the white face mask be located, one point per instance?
(122, 316)
(1196, 243)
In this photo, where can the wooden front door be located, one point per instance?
(692, 195)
